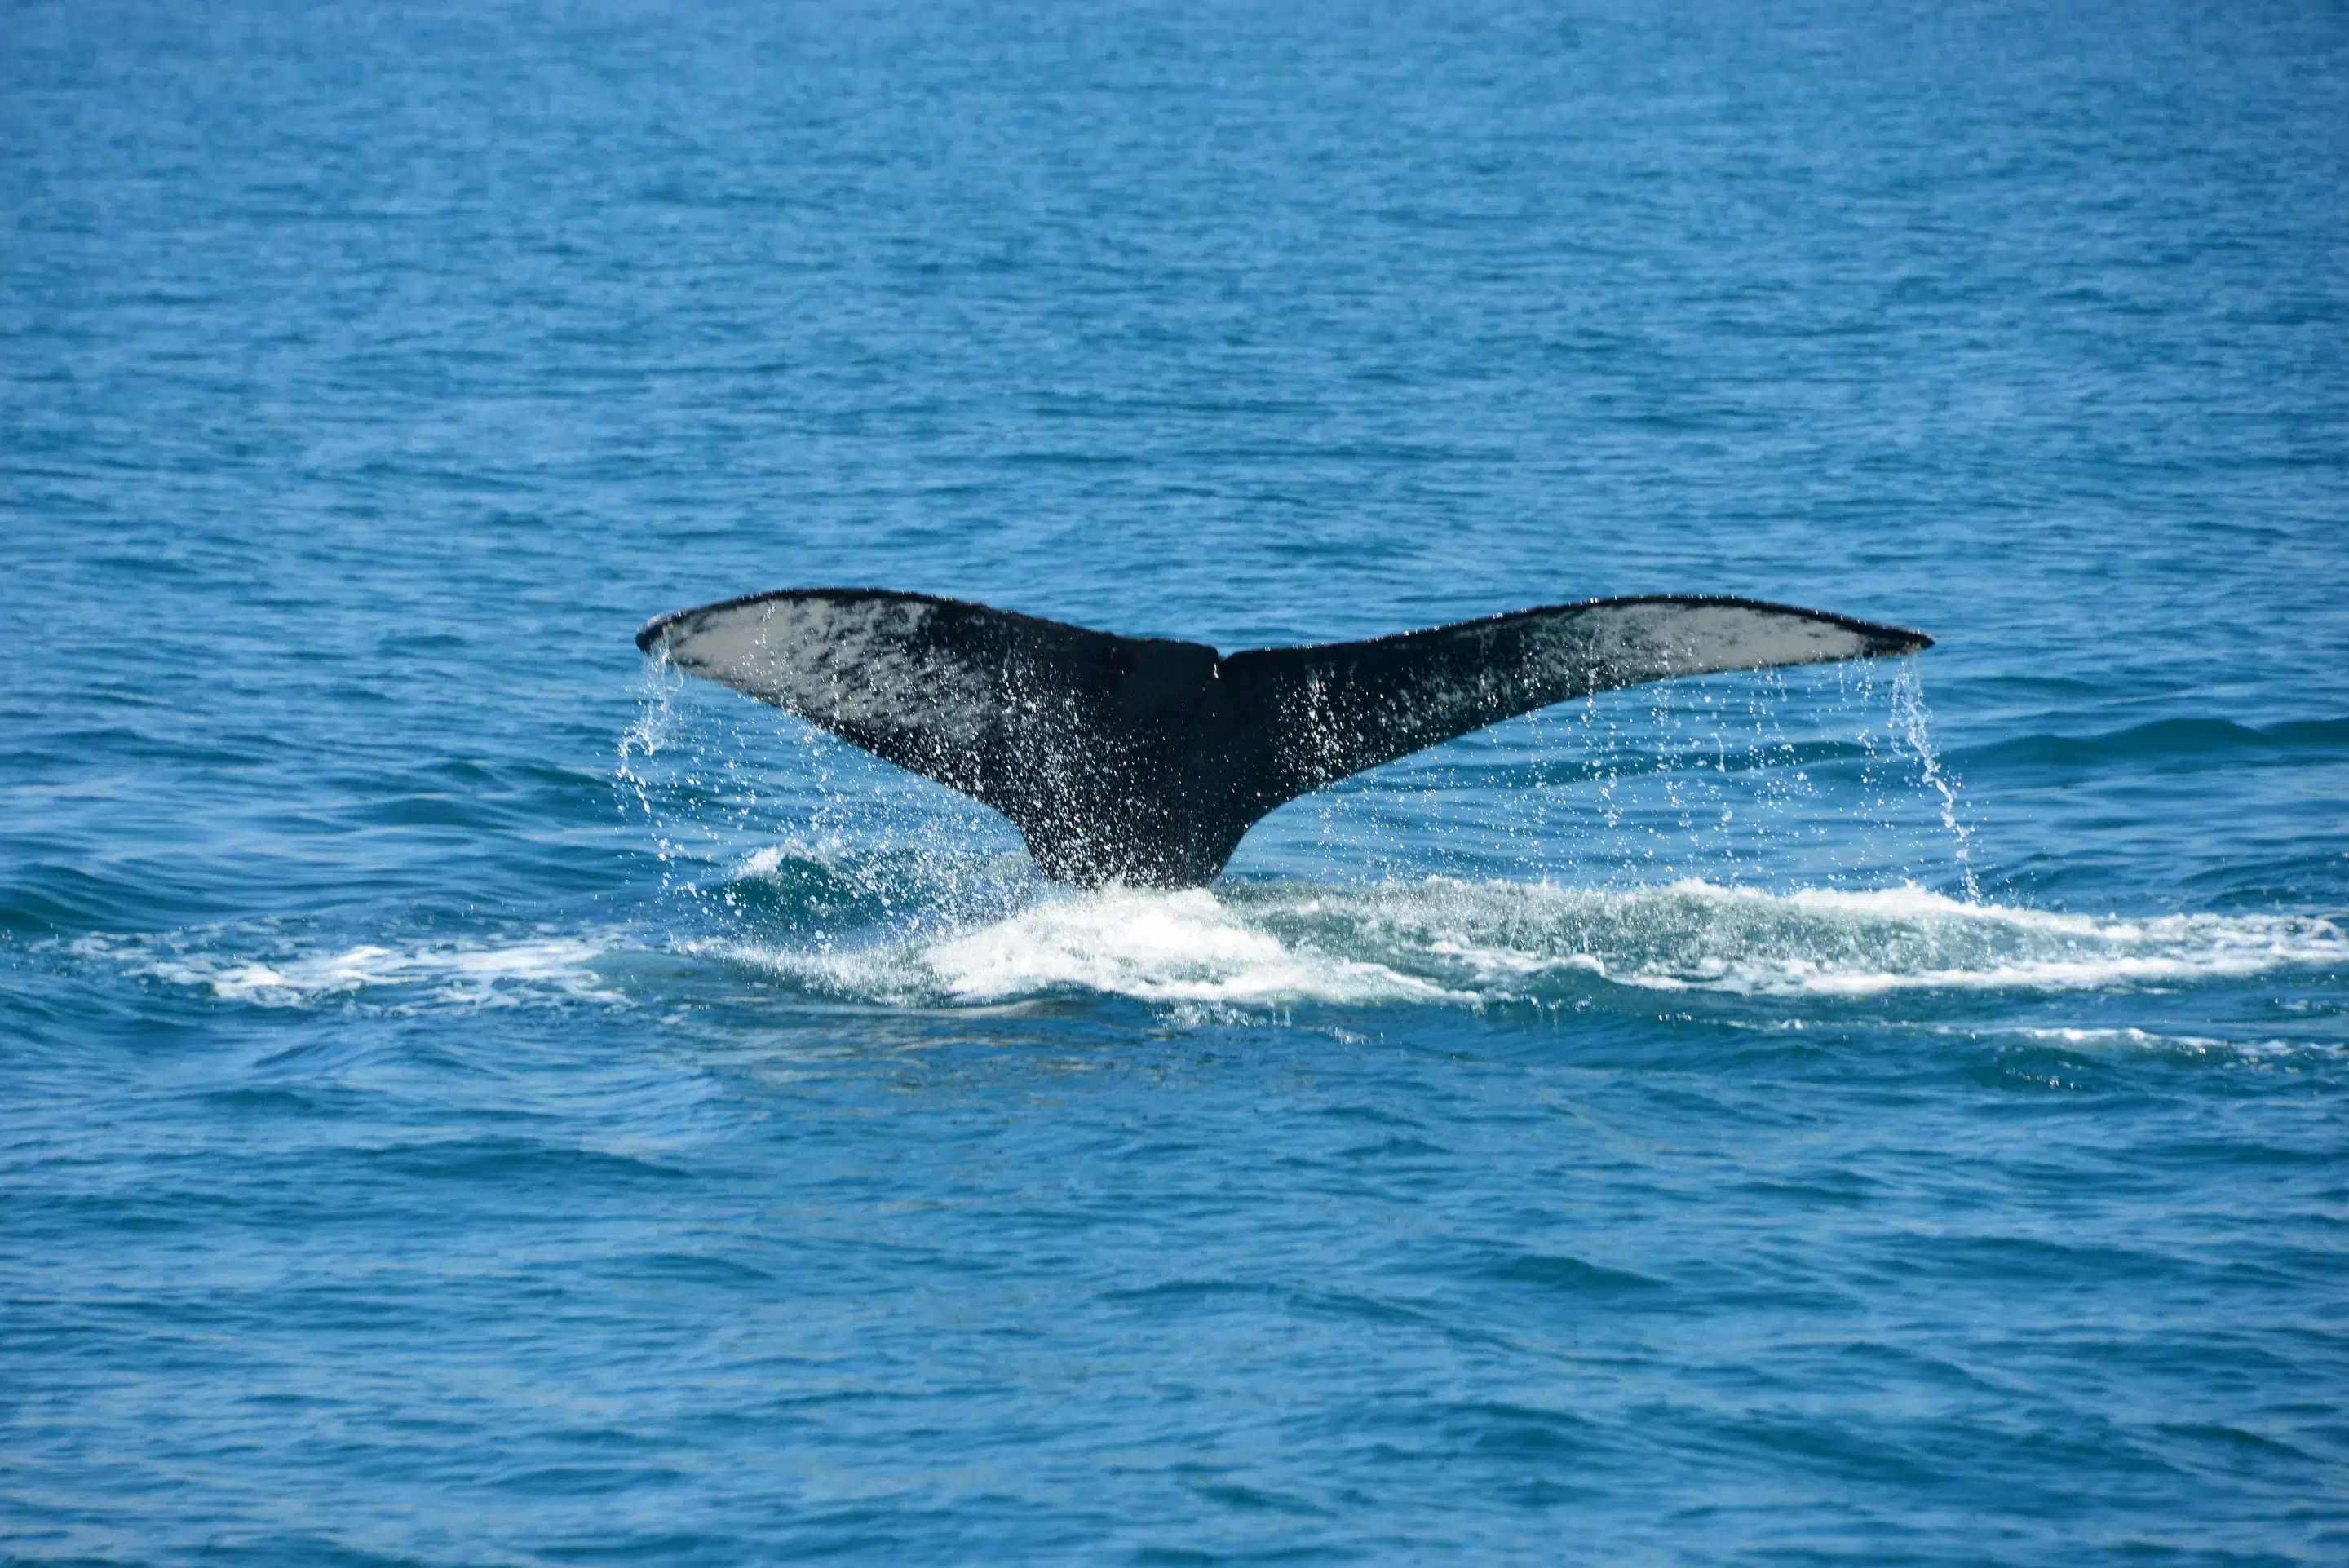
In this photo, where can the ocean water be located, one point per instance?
(467, 1097)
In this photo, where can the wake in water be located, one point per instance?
(1463, 942)
(1677, 814)
(1439, 941)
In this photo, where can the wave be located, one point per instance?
(2174, 741)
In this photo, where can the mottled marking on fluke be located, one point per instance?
(1142, 760)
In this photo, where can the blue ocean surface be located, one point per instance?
(470, 1096)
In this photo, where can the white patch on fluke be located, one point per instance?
(1663, 640)
(845, 661)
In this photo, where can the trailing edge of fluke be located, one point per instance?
(1144, 760)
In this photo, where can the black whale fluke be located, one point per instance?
(1144, 760)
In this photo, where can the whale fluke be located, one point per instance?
(1144, 760)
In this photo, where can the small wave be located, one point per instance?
(500, 975)
(2205, 741)
(1454, 942)
(2131, 1039)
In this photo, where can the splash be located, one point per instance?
(1184, 946)
(654, 730)
(1908, 709)
(1814, 776)
(1187, 948)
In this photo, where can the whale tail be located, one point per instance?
(1144, 760)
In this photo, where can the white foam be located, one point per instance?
(1186, 946)
(1699, 936)
(767, 862)
(445, 972)
(2141, 1039)
(1173, 947)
